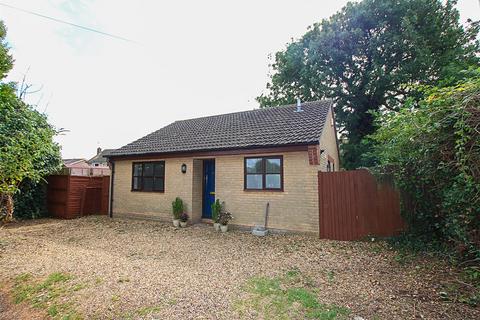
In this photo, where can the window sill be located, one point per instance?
(263, 190)
(141, 191)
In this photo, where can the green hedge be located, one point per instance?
(433, 150)
(31, 201)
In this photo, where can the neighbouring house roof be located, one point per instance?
(277, 126)
(100, 157)
(69, 163)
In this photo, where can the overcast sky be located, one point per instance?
(188, 59)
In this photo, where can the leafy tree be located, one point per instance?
(368, 57)
(433, 151)
(6, 61)
(27, 150)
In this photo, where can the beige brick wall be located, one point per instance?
(197, 196)
(329, 144)
(296, 208)
(153, 204)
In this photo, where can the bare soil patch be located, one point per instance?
(130, 269)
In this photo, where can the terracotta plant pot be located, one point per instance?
(176, 223)
(183, 224)
(224, 228)
(216, 226)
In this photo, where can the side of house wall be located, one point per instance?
(328, 142)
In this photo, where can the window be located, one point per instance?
(148, 176)
(264, 173)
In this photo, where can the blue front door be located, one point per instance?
(208, 187)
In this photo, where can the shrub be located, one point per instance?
(177, 208)
(31, 201)
(433, 152)
(216, 209)
(224, 217)
(184, 217)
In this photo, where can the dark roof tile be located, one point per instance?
(256, 128)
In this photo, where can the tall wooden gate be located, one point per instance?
(353, 205)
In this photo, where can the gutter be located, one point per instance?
(112, 176)
(184, 153)
(336, 134)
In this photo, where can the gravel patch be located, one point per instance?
(150, 270)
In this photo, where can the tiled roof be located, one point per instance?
(276, 126)
(101, 157)
(71, 162)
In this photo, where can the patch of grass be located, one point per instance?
(265, 286)
(148, 310)
(79, 286)
(3, 243)
(140, 312)
(305, 297)
(293, 273)
(49, 294)
(23, 277)
(286, 297)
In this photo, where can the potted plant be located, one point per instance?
(223, 219)
(177, 210)
(183, 219)
(216, 209)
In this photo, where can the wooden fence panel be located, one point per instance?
(105, 194)
(73, 196)
(353, 205)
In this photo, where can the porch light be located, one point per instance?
(184, 168)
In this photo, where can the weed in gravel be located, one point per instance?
(404, 258)
(123, 280)
(3, 244)
(139, 313)
(148, 310)
(285, 298)
(293, 273)
(48, 294)
(330, 276)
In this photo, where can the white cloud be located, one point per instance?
(194, 58)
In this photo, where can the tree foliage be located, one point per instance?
(6, 60)
(369, 56)
(433, 151)
(27, 150)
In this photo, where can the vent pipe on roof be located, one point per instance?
(299, 105)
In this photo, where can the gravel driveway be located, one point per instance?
(149, 270)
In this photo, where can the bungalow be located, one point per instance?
(245, 159)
